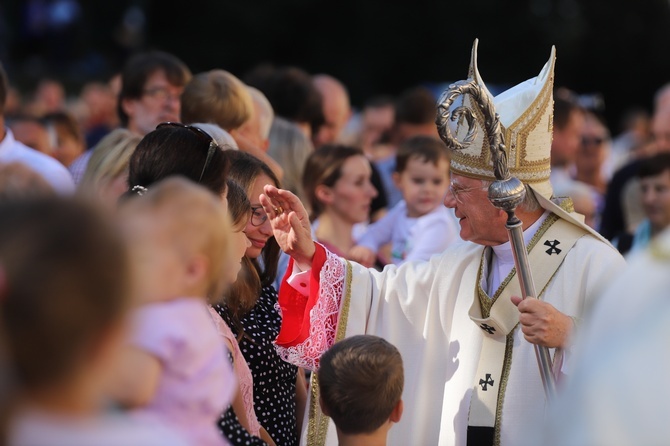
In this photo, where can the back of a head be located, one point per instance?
(654, 165)
(196, 220)
(565, 102)
(290, 148)
(361, 381)
(216, 96)
(294, 97)
(65, 285)
(109, 159)
(264, 110)
(19, 182)
(140, 67)
(424, 148)
(416, 106)
(174, 150)
(324, 166)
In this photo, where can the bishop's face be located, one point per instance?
(480, 221)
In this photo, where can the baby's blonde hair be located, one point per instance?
(197, 221)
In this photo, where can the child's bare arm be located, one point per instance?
(136, 378)
(362, 255)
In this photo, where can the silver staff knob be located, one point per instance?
(507, 194)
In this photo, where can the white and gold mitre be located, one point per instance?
(526, 120)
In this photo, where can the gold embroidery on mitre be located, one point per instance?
(527, 138)
(534, 124)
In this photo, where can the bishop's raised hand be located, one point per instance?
(290, 224)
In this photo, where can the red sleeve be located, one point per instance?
(296, 308)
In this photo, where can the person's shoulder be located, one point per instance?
(591, 255)
(174, 319)
(53, 171)
(113, 429)
(461, 251)
(397, 211)
(21, 152)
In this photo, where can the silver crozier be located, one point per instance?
(506, 193)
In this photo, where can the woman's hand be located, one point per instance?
(290, 224)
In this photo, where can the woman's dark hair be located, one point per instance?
(244, 169)
(324, 167)
(65, 281)
(239, 206)
(243, 294)
(169, 151)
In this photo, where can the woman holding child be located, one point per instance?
(250, 309)
(175, 149)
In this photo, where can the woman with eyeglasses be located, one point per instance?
(250, 309)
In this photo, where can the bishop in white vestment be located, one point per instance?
(471, 375)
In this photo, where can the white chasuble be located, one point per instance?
(423, 309)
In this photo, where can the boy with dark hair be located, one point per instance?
(361, 380)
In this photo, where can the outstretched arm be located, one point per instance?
(290, 224)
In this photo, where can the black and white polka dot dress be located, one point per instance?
(274, 379)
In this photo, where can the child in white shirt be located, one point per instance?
(420, 225)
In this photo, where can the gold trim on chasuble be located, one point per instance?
(486, 303)
(317, 428)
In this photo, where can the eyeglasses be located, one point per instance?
(213, 146)
(258, 215)
(459, 190)
(160, 93)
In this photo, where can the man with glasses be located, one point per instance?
(466, 337)
(151, 88)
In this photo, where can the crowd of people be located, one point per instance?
(207, 259)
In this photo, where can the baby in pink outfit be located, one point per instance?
(176, 369)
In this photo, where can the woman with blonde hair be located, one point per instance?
(106, 175)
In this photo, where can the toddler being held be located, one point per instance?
(176, 368)
(419, 226)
